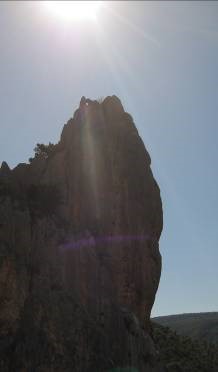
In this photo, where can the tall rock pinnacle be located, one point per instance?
(79, 254)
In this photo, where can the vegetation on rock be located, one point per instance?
(43, 151)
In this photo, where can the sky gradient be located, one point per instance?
(161, 60)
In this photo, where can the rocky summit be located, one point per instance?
(79, 253)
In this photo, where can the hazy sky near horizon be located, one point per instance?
(161, 60)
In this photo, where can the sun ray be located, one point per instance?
(73, 10)
(133, 26)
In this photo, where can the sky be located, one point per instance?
(161, 60)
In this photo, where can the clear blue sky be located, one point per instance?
(161, 59)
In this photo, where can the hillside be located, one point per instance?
(202, 326)
(182, 354)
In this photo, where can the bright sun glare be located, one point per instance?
(74, 10)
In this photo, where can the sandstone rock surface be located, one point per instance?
(80, 266)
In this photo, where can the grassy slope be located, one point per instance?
(202, 326)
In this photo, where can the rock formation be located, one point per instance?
(79, 254)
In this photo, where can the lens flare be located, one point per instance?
(74, 10)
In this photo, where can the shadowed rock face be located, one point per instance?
(78, 281)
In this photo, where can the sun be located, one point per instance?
(74, 10)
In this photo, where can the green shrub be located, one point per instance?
(44, 151)
(182, 354)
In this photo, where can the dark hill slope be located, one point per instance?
(203, 326)
(183, 354)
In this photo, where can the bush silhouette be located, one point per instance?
(44, 151)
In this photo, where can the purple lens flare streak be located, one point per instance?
(91, 241)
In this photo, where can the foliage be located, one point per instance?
(182, 354)
(100, 99)
(43, 151)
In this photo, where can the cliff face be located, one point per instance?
(79, 255)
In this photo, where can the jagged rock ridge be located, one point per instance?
(79, 255)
